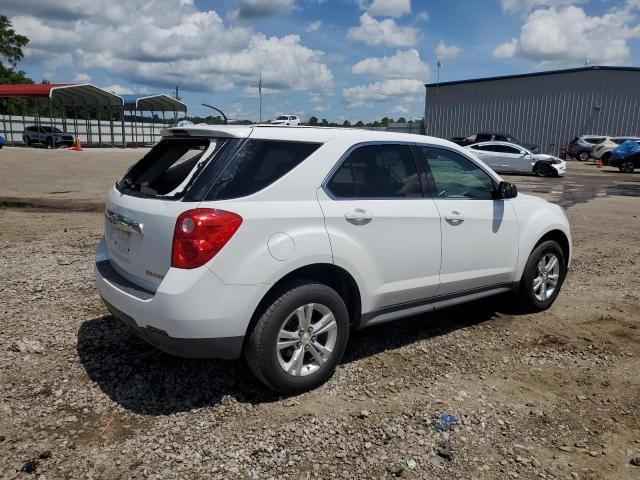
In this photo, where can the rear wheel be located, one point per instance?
(583, 156)
(543, 276)
(300, 338)
(627, 167)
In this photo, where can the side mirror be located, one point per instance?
(506, 190)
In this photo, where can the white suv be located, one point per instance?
(292, 120)
(276, 241)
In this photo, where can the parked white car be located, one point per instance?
(275, 242)
(509, 157)
(292, 120)
(604, 149)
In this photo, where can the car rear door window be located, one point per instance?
(258, 164)
(455, 176)
(166, 169)
(377, 171)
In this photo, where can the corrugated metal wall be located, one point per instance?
(548, 110)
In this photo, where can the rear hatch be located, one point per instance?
(143, 206)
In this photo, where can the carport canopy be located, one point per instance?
(67, 94)
(152, 103)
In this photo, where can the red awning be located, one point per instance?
(65, 93)
(29, 90)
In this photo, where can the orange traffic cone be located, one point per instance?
(598, 163)
(78, 146)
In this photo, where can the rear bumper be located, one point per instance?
(226, 348)
(192, 314)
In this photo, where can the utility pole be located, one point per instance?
(178, 92)
(260, 95)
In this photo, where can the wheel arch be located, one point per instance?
(329, 274)
(561, 238)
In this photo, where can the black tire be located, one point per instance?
(525, 294)
(583, 156)
(49, 142)
(627, 167)
(544, 169)
(27, 141)
(260, 350)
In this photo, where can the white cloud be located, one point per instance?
(314, 26)
(191, 47)
(530, 5)
(568, 36)
(320, 108)
(447, 52)
(366, 95)
(82, 78)
(262, 8)
(506, 49)
(423, 15)
(402, 109)
(403, 64)
(388, 8)
(383, 32)
(117, 89)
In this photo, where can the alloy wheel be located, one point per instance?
(306, 339)
(546, 277)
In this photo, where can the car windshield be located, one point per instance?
(282, 117)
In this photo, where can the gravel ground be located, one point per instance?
(552, 396)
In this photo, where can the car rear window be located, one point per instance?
(168, 168)
(258, 164)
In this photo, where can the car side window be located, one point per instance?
(377, 171)
(455, 176)
(508, 149)
(501, 138)
(483, 137)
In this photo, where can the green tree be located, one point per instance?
(359, 124)
(324, 122)
(11, 45)
(313, 121)
(346, 123)
(402, 120)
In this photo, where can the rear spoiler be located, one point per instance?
(224, 131)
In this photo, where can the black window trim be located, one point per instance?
(345, 156)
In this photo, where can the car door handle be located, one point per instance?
(358, 217)
(454, 218)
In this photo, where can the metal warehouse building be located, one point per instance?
(545, 108)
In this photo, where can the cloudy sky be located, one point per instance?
(335, 59)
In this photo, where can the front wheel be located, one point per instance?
(299, 339)
(583, 156)
(544, 169)
(543, 276)
(627, 167)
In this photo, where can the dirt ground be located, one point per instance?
(554, 395)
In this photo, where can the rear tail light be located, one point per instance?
(200, 234)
